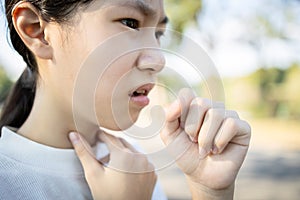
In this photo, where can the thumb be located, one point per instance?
(84, 153)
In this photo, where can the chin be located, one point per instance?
(119, 122)
(119, 126)
(116, 127)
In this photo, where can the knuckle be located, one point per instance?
(231, 113)
(232, 123)
(202, 102)
(220, 143)
(80, 151)
(216, 113)
(247, 128)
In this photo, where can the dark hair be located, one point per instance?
(19, 102)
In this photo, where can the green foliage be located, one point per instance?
(5, 85)
(182, 12)
(269, 80)
(291, 91)
(270, 92)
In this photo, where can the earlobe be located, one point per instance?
(31, 29)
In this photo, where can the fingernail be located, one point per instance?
(202, 153)
(194, 139)
(215, 150)
(74, 137)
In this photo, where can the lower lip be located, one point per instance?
(140, 100)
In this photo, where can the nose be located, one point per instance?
(151, 60)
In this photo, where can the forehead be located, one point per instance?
(149, 7)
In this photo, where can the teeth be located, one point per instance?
(141, 91)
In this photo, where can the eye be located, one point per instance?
(159, 34)
(131, 23)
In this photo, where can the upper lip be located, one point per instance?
(146, 87)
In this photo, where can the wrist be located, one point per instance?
(201, 192)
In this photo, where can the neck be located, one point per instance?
(49, 123)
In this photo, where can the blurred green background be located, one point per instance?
(256, 48)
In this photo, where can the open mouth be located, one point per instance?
(142, 91)
(140, 95)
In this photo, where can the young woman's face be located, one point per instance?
(90, 75)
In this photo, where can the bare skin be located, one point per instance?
(217, 142)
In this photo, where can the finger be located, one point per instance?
(232, 114)
(118, 147)
(129, 146)
(185, 97)
(212, 122)
(173, 112)
(117, 157)
(125, 157)
(232, 130)
(195, 117)
(88, 161)
(113, 143)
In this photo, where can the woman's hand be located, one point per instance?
(108, 182)
(213, 144)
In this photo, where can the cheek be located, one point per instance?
(112, 104)
(110, 100)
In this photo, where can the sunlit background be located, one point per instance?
(255, 45)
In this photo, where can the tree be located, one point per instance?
(291, 91)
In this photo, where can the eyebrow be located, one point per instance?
(144, 8)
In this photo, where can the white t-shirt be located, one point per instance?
(29, 171)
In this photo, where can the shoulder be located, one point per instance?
(9, 169)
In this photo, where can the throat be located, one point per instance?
(51, 128)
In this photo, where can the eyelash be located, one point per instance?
(135, 25)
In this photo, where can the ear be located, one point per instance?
(31, 29)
